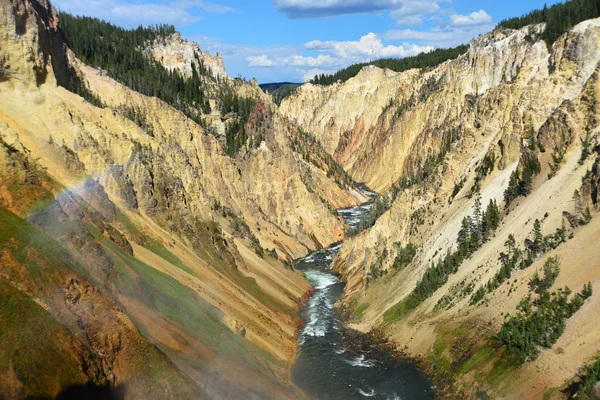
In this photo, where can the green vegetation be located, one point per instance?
(138, 117)
(586, 146)
(177, 302)
(77, 86)
(360, 310)
(558, 18)
(29, 246)
(160, 250)
(485, 167)
(423, 60)
(515, 257)
(235, 131)
(589, 378)
(457, 188)
(38, 346)
(481, 356)
(405, 255)
(474, 232)
(539, 284)
(520, 183)
(539, 323)
(120, 52)
(35, 345)
(280, 91)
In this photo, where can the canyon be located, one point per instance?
(141, 253)
(468, 124)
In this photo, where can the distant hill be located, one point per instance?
(280, 90)
(271, 87)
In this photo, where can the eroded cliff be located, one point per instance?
(510, 120)
(159, 261)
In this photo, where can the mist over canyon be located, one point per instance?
(423, 226)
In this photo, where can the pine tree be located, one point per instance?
(586, 145)
(510, 244)
(587, 290)
(526, 181)
(531, 139)
(576, 206)
(474, 238)
(477, 220)
(464, 236)
(512, 191)
(493, 215)
(538, 238)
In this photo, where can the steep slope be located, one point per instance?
(510, 120)
(374, 123)
(156, 258)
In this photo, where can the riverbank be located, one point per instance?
(333, 362)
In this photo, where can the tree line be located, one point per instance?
(558, 18)
(119, 52)
(541, 321)
(475, 231)
(423, 60)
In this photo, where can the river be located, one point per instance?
(325, 367)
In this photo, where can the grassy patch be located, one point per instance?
(35, 345)
(481, 357)
(503, 366)
(31, 247)
(442, 365)
(401, 308)
(126, 222)
(153, 245)
(361, 310)
(160, 250)
(177, 303)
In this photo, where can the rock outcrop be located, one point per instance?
(175, 53)
(169, 249)
(429, 140)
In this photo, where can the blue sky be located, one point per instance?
(291, 40)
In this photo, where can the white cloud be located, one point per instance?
(412, 20)
(206, 6)
(301, 61)
(260, 61)
(412, 12)
(440, 37)
(326, 8)
(127, 14)
(368, 47)
(475, 18)
(307, 75)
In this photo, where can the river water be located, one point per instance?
(327, 369)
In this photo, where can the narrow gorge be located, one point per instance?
(417, 228)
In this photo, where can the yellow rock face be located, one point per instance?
(383, 126)
(184, 243)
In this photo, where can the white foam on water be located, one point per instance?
(340, 351)
(310, 258)
(367, 394)
(320, 279)
(336, 247)
(360, 362)
(320, 304)
(315, 329)
(396, 397)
